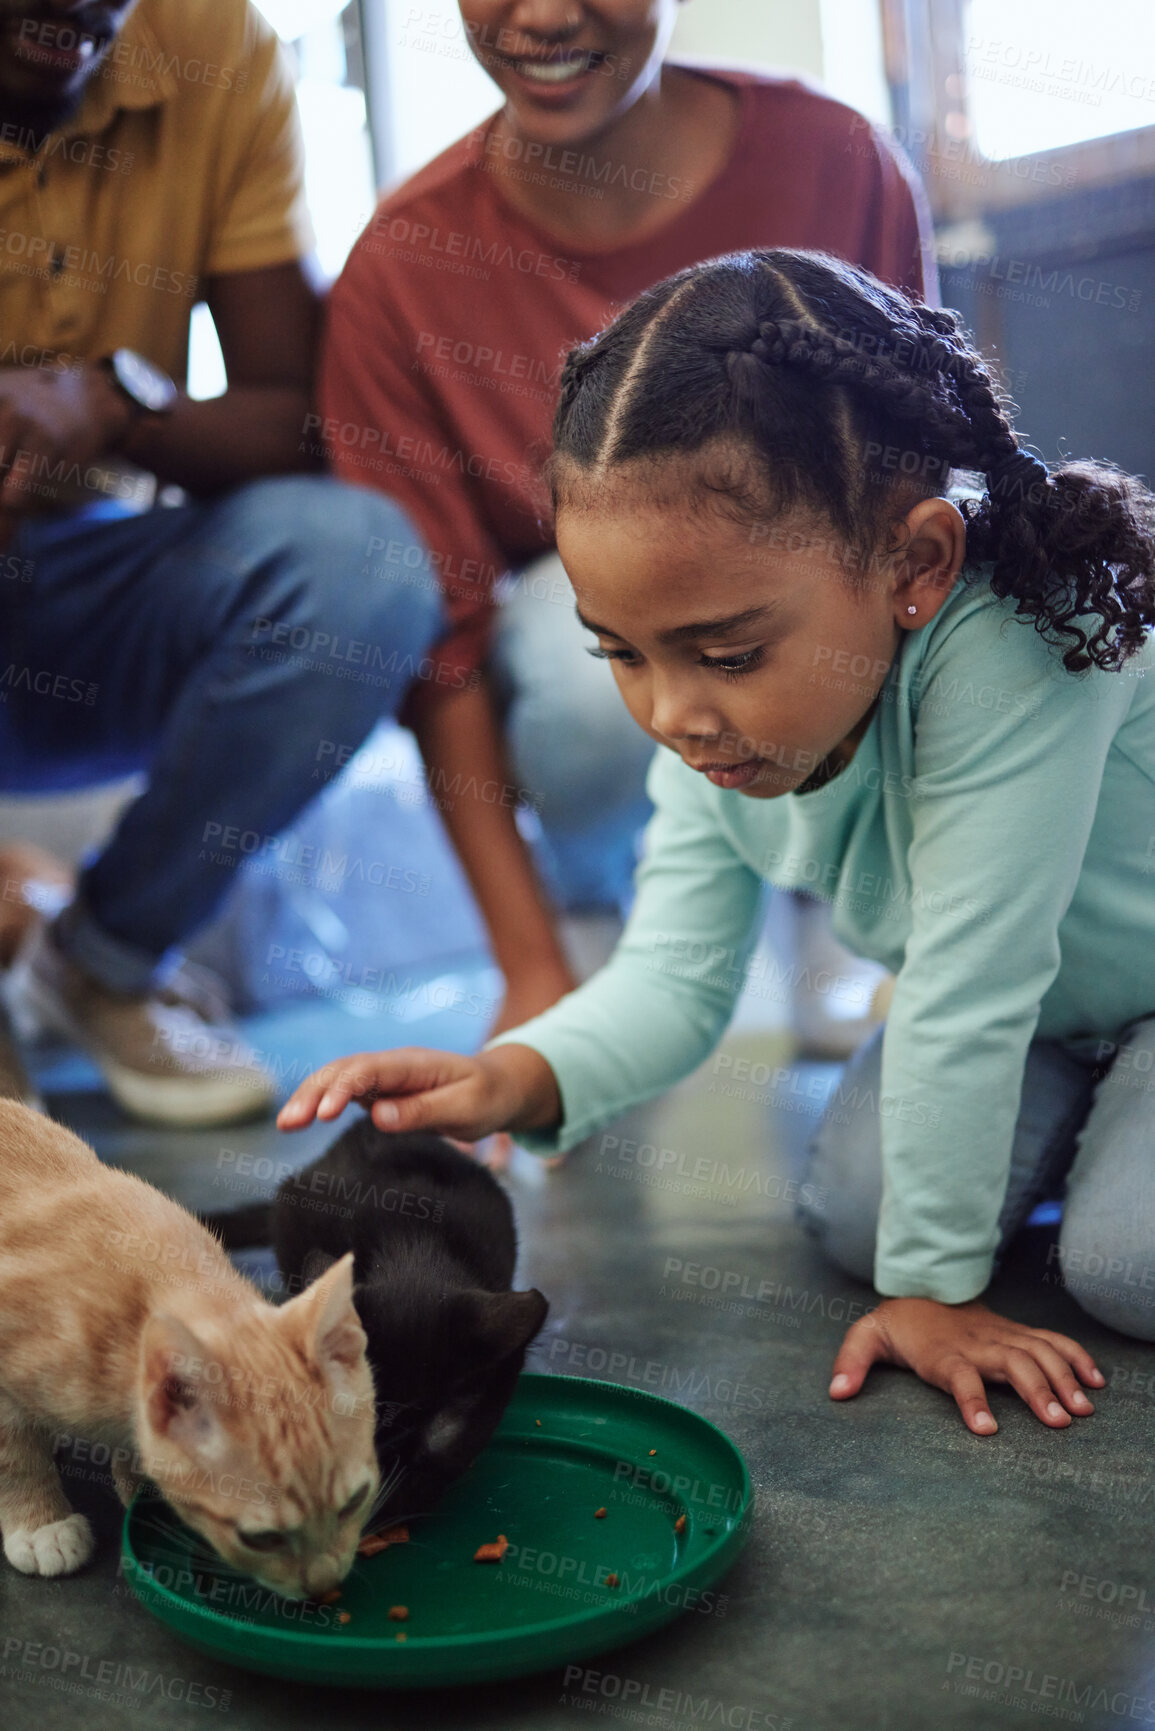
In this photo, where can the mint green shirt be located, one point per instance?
(992, 843)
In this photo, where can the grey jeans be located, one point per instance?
(1095, 1131)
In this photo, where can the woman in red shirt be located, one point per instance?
(606, 169)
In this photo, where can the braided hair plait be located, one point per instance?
(835, 359)
(1073, 546)
(854, 401)
(1044, 535)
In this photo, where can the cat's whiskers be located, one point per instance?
(387, 1488)
(191, 1543)
(167, 1527)
(384, 1491)
(178, 1535)
(199, 1559)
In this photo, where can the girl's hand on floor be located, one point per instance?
(510, 1088)
(954, 1346)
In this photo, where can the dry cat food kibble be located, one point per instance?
(492, 1553)
(344, 1617)
(599, 1514)
(373, 1543)
(399, 1613)
(331, 1597)
(612, 1581)
(680, 1524)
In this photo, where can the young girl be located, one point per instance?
(931, 713)
(607, 167)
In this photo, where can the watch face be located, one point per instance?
(145, 384)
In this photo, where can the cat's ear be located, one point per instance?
(334, 1338)
(177, 1394)
(494, 1324)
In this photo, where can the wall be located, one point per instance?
(778, 33)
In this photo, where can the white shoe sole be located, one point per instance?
(179, 1101)
(173, 1100)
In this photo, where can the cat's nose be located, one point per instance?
(321, 1574)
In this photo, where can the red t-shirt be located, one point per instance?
(448, 326)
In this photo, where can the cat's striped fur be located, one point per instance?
(122, 1321)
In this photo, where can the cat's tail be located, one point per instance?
(238, 1228)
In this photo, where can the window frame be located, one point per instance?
(925, 59)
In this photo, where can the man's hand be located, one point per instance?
(267, 321)
(529, 993)
(512, 1088)
(47, 418)
(954, 1346)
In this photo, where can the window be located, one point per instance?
(1040, 77)
(324, 43)
(426, 87)
(1006, 103)
(338, 165)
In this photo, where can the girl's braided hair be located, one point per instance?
(856, 401)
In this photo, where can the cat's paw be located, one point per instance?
(60, 1548)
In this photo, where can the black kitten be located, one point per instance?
(434, 1247)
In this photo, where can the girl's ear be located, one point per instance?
(931, 558)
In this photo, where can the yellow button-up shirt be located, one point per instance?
(183, 162)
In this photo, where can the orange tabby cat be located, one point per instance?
(123, 1321)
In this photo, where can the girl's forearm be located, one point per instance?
(532, 1085)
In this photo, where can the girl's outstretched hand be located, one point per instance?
(510, 1088)
(954, 1346)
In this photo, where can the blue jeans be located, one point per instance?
(573, 745)
(1095, 1132)
(238, 650)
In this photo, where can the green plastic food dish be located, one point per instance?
(566, 1448)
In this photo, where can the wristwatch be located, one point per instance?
(142, 383)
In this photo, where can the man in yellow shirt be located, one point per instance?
(237, 645)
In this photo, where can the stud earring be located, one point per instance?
(912, 609)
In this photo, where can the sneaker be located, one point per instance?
(165, 1057)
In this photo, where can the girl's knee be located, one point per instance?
(1116, 1286)
(844, 1238)
(1123, 1311)
(838, 1207)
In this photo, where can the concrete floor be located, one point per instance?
(900, 1573)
